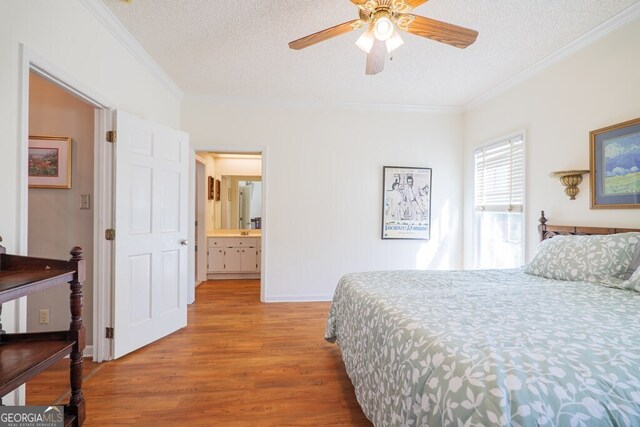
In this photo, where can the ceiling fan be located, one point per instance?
(382, 18)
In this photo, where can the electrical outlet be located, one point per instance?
(44, 317)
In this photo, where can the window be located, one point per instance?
(499, 199)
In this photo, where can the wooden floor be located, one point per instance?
(238, 363)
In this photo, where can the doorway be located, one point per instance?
(233, 229)
(200, 228)
(104, 200)
(95, 107)
(60, 211)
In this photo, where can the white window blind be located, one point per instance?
(499, 199)
(499, 176)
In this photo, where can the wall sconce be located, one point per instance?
(570, 179)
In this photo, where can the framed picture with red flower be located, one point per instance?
(49, 161)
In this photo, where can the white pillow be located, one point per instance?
(635, 264)
(633, 282)
(584, 258)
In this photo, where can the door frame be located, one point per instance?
(30, 61)
(262, 149)
(200, 192)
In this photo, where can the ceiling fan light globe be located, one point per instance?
(383, 28)
(394, 42)
(365, 41)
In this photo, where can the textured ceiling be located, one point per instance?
(238, 49)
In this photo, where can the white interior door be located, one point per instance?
(151, 223)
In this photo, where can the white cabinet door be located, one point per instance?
(259, 260)
(215, 260)
(233, 255)
(249, 257)
(232, 259)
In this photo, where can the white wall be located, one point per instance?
(67, 35)
(595, 87)
(323, 182)
(228, 166)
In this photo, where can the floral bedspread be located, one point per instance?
(488, 347)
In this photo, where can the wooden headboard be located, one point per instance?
(549, 231)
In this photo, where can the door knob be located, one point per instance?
(184, 242)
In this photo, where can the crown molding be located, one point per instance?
(629, 14)
(115, 27)
(109, 20)
(288, 103)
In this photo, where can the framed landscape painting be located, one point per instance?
(615, 166)
(49, 162)
(406, 203)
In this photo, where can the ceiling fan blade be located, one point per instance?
(415, 3)
(375, 58)
(440, 31)
(325, 34)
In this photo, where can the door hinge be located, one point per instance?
(110, 234)
(109, 333)
(112, 136)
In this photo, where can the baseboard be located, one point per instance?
(299, 298)
(229, 276)
(88, 351)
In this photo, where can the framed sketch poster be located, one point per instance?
(406, 203)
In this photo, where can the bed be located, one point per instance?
(491, 347)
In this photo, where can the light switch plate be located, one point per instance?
(85, 201)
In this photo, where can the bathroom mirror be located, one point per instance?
(241, 202)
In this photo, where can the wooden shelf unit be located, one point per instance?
(24, 355)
